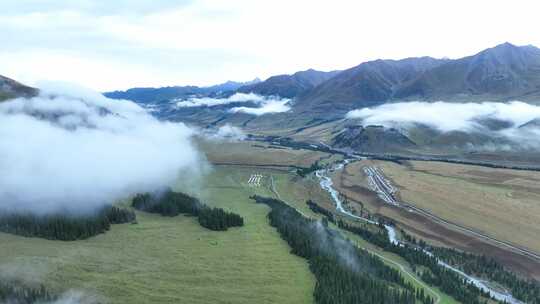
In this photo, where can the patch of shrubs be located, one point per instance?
(64, 227)
(17, 293)
(169, 203)
(344, 273)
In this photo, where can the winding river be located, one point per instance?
(326, 183)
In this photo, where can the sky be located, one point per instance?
(109, 45)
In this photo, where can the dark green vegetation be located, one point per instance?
(64, 227)
(18, 293)
(320, 210)
(487, 268)
(169, 203)
(305, 171)
(426, 266)
(345, 273)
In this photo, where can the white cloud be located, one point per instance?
(210, 102)
(268, 107)
(468, 117)
(226, 132)
(75, 149)
(447, 116)
(265, 104)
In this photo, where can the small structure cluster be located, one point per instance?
(378, 183)
(255, 180)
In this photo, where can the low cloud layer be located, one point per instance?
(226, 132)
(446, 116)
(210, 101)
(263, 104)
(267, 107)
(512, 120)
(73, 149)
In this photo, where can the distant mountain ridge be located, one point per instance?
(146, 95)
(289, 86)
(10, 88)
(501, 73)
(367, 84)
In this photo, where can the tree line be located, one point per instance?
(320, 210)
(64, 227)
(303, 172)
(170, 203)
(425, 265)
(17, 293)
(344, 272)
(487, 268)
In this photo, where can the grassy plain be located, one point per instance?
(174, 260)
(258, 153)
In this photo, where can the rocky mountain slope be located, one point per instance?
(10, 88)
(289, 86)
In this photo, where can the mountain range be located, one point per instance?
(500, 73)
(320, 100)
(146, 95)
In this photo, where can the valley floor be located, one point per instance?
(175, 260)
(500, 203)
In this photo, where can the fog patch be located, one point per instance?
(76, 297)
(73, 149)
(496, 119)
(226, 132)
(258, 104)
(211, 101)
(269, 106)
(337, 245)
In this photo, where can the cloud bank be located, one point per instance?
(73, 149)
(210, 102)
(264, 104)
(501, 119)
(230, 132)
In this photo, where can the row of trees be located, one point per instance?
(17, 293)
(65, 227)
(320, 210)
(487, 268)
(303, 172)
(344, 272)
(432, 273)
(169, 203)
(219, 219)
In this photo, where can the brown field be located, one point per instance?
(504, 204)
(258, 153)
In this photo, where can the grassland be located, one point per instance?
(174, 260)
(258, 153)
(502, 203)
(476, 197)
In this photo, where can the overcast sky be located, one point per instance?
(119, 44)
